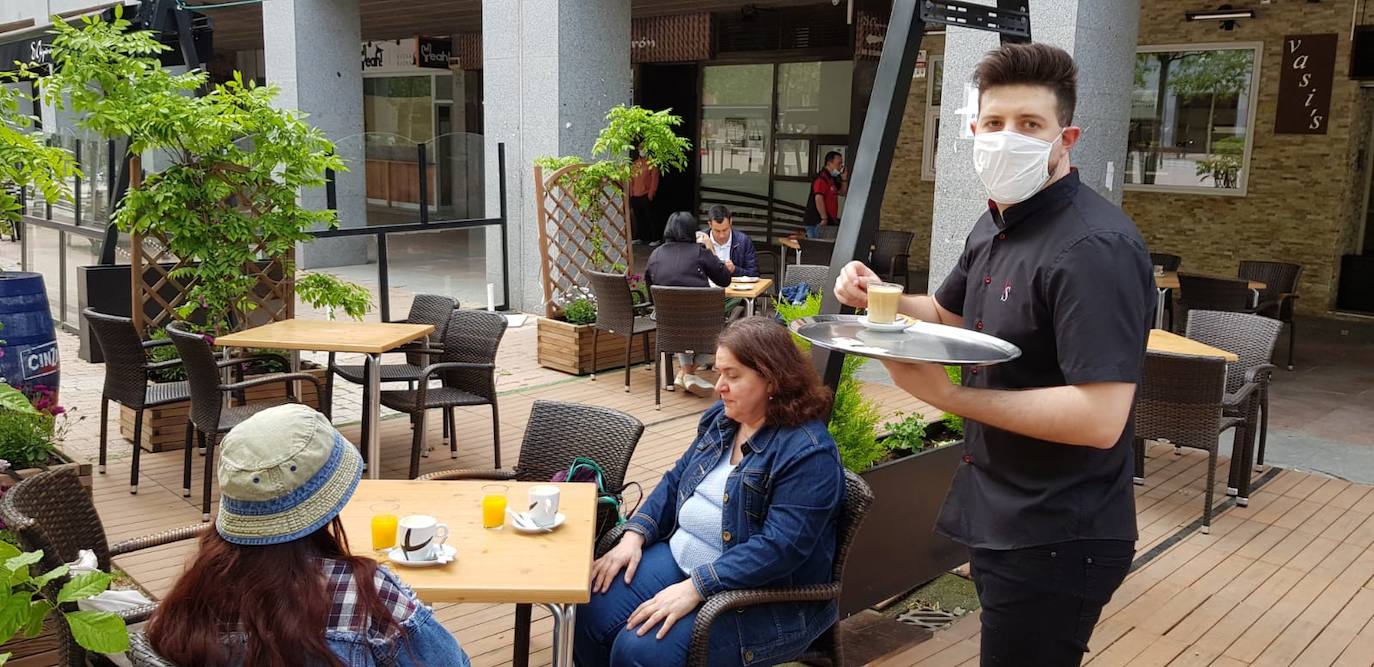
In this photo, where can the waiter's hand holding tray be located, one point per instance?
(921, 342)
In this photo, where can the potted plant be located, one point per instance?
(589, 223)
(30, 603)
(909, 463)
(31, 426)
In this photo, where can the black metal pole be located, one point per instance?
(76, 191)
(873, 160)
(421, 153)
(121, 185)
(505, 224)
(331, 193)
(383, 278)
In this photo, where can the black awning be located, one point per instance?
(35, 45)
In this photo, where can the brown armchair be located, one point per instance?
(1279, 294)
(615, 315)
(51, 512)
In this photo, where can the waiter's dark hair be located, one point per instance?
(830, 156)
(682, 226)
(1032, 65)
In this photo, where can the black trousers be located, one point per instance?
(642, 212)
(1040, 604)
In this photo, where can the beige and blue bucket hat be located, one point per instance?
(284, 473)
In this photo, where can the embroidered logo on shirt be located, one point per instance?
(1006, 290)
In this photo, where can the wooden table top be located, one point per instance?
(1168, 341)
(790, 242)
(496, 565)
(748, 290)
(1170, 281)
(328, 336)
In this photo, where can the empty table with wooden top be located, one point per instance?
(1172, 343)
(749, 292)
(1169, 281)
(369, 338)
(786, 242)
(552, 569)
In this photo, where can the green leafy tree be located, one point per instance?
(627, 128)
(25, 161)
(236, 163)
(323, 290)
(1211, 75)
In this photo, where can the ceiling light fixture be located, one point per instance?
(1222, 13)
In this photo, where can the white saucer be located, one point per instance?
(396, 556)
(899, 324)
(745, 279)
(558, 520)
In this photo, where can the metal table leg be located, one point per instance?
(372, 406)
(564, 620)
(749, 307)
(1159, 307)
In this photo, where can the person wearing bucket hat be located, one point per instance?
(275, 583)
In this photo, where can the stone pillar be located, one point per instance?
(551, 71)
(311, 51)
(1101, 36)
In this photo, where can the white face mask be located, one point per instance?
(1012, 166)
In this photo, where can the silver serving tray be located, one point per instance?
(920, 342)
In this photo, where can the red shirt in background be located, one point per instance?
(824, 185)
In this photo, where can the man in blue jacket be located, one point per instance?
(732, 247)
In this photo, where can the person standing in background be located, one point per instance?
(823, 202)
(643, 186)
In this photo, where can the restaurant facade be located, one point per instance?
(1250, 138)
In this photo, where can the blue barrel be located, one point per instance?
(30, 362)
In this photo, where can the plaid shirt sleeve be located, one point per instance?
(346, 614)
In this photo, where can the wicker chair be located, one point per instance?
(615, 314)
(814, 275)
(830, 232)
(556, 434)
(1168, 263)
(467, 370)
(890, 254)
(769, 264)
(1181, 400)
(1280, 291)
(827, 648)
(209, 415)
(816, 251)
(50, 511)
(1207, 293)
(689, 320)
(1252, 338)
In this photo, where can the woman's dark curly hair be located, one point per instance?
(766, 347)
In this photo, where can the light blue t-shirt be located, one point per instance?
(697, 540)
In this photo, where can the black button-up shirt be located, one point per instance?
(1066, 277)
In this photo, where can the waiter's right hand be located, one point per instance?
(851, 287)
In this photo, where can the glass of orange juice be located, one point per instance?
(384, 525)
(494, 505)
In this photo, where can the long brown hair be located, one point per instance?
(275, 594)
(766, 347)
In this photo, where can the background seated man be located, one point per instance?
(734, 248)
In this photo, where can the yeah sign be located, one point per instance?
(1304, 104)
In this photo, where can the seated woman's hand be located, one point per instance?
(669, 606)
(625, 556)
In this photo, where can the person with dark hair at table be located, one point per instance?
(732, 246)
(823, 200)
(684, 261)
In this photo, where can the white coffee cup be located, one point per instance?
(421, 537)
(544, 505)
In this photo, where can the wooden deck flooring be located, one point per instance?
(1284, 581)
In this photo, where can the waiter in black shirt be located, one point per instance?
(1044, 499)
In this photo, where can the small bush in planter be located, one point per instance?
(580, 311)
(26, 605)
(29, 428)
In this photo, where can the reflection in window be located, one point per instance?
(736, 109)
(398, 112)
(792, 157)
(813, 97)
(1191, 119)
(935, 74)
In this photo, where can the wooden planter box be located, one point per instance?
(896, 548)
(38, 651)
(164, 428)
(568, 348)
(83, 471)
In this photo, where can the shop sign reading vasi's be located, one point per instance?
(1304, 105)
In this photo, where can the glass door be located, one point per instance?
(736, 137)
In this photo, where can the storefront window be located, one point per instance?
(398, 112)
(737, 103)
(935, 74)
(1192, 119)
(813, 98)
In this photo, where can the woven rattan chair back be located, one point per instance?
(816, 251)
(858, 499)
(689, 318)
(814, 275)
(473, 336)
(1179, 399)
(558, 432)
(1250, 337)
(1169, 262)
(890, 244)
(126, 375)
(615, 311)
(432, 309)
(202, 377)
(1208, 293)
(53, 512)
(831, 232)
(1278, 278)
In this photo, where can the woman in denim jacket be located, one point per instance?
(752, 503)
(274, 583)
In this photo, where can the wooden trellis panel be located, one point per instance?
(274, 290)
(566, 233)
